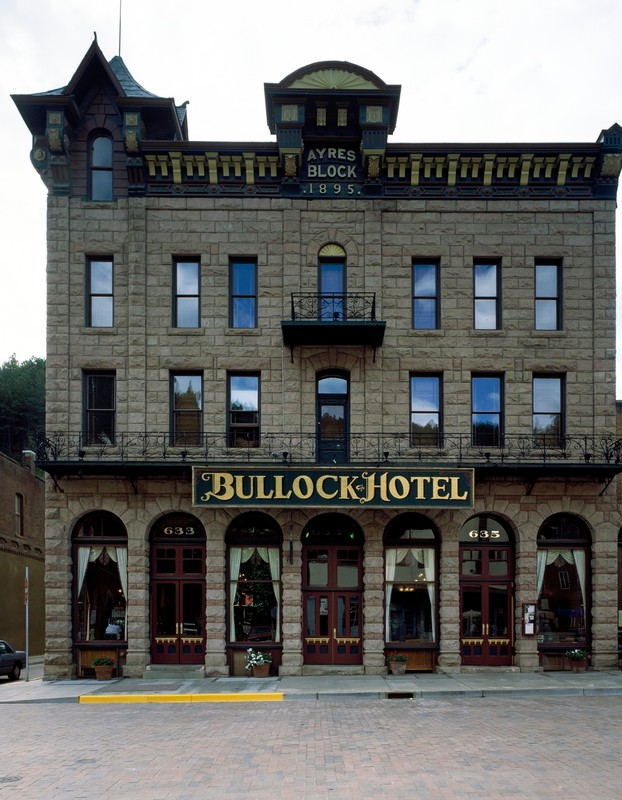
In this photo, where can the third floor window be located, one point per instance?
(548, 296)
(425, 288)
(242, 293)
(186, 285)
(486, 308)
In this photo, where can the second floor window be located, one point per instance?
(99, 408)
(243, 293)
(548, 297)
(425, 279)
(425, 410)
(101, 184)
(187, 409)
(548, 408)
(243, 423)
(486, 310)
(487, 410)
(100, 295)
(186, 283)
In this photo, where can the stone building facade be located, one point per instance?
(326, 396)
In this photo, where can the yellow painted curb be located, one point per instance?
(247, 697)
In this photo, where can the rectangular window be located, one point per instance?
(486, 309)
(548, 409)
(243, 394)
(487, 410)
(186, 283)
(19, 515)
(99, 408)
(425, 410)
(425, 287)
(548, 296)
(410, 591)
(243, 293)
(187, 409)
(99, 289)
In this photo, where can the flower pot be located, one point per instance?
(397, 667)
(103, 673)
(261, 671)
(578, 666)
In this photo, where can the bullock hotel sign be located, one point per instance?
(344, 488)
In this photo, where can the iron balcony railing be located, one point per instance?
(334, 307)
(513, 450)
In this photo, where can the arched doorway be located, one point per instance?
(486, 592)
(332, 584)
(178, 590)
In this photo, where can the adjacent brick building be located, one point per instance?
(328, 396)
(22, 520)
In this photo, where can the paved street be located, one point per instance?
(439, 749)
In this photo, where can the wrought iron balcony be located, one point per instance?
(332, 318)
(598, 456)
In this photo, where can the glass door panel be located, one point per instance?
(486, 624)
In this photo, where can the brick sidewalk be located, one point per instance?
(547, 748)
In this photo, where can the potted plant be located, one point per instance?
(578, 658)
(397, 663)
(258, 663)
(103, 667)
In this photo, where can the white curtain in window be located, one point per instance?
(86, 555)
(579, 560)
(119, 556)
(428, 567)
(235, 559)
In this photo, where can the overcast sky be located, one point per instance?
(470, 71)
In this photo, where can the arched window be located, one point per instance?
(100, 594)
(411, 545)
(254, 579)
(562, 581)
(332, 283)
(100, 164)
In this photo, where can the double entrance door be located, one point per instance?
(333, 605)
(177, 603)
(486, 611)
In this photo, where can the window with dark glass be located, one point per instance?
(187, 409)
(425, 410)
(410, 581)
(243, 394)
(254, 586)
(101, 173)
(548, 409)
(548, 296)
(243, 293)
(99, 408)
(332, 288)
(100, 583)
(562, 582)
(486, 309)
(100, 294)
(425, 282)
(186, 284)
(19, 514)
(487, 410)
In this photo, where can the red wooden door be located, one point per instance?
(332, 600)
(177, 604)
(486, 606)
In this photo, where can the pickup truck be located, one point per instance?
(11, 661)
